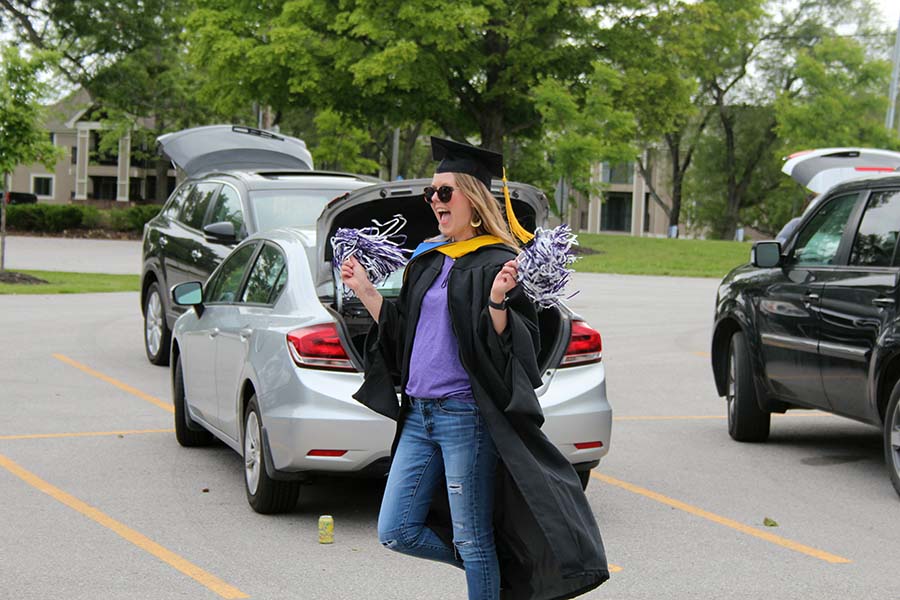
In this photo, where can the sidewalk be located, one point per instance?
(120, 257)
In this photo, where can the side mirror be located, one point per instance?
(188, 294)
(221, 233)
(766, 255)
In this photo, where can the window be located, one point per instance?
(289, 208)
(42, 185)
(877, 235)
(819, 241)
(267, 278)
(197, 202)
(173, 206)
(618, 173)
(224, 284)
(228, 208)
(74, 154)
(615, 212)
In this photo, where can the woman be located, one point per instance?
(473, 482)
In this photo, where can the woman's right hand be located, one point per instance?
(354, 276)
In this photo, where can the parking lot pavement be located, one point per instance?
(116, 257)
(101, 502)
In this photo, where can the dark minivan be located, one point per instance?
(239, 181)
(813, 323)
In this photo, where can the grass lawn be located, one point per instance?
(656, 256)
(73, 283)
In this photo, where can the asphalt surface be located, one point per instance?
(99, 501)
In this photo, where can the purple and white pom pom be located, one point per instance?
(543, 265)
(379, 249)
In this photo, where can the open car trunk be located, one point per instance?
(380, 203)
(223, 147)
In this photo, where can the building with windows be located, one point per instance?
(624, 203)
(84, 173)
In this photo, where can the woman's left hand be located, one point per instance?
(504, 281)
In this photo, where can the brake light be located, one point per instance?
(585, 346)
(318, 347)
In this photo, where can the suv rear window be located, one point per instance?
(289, 208)
(877, 236)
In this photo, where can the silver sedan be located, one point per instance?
(269, 358)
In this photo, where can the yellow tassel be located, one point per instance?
(514, 226)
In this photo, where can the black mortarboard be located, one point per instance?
(455, 157)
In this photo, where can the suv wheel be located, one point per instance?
(157, 335)
(746, 421)
(265, 495)
(892, 437)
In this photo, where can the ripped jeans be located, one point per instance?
(444, 437)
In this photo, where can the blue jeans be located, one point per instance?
(445, 437)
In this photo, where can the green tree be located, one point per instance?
(468, 67)
(23, 139)
(129, 55)
(339, 144)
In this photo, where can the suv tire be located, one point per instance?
(157, 335)
(892, 437)
(266, 495)
(747, 422)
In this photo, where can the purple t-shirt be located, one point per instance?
(434, 367)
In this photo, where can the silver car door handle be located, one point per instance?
(163, 240)
(245, 333)
(811, 297)
(884, 302)
(213, 332)
(195, 254)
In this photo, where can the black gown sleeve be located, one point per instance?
(514, 354)
(383, 359)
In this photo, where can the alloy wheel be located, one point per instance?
(732, 377)
(252, 452)
(895, 439)
(153, 323)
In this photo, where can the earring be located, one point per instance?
(475, 222)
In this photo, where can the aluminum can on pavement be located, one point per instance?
(326, 529)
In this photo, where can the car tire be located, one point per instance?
(157, 335)
(747, 422)
(892, 437)
(265, 495)
(186, 436)
(585, 477)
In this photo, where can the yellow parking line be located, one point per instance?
(699, 512)
(814, 413)
(614, 568)
(141, 541)
(41, 436)
(122, 386)
(701, 354)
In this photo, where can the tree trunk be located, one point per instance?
(491, 127)
(162, 180)
(5, 179)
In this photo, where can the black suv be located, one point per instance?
(814, 323)
(239, 181)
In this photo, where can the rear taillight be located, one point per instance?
(318, 347)
(585, 346)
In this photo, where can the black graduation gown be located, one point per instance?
(548, 542)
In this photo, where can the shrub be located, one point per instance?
(91, 218)
(50, 218)
(133, 218)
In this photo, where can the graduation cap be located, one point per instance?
(481, 164)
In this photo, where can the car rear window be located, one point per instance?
(289, 208)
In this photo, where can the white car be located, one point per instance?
(269, 358)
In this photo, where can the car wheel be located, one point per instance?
(265, 495)
(157, 335)
(747, 422)
(186, 436)
(585, 477)
(892, 437)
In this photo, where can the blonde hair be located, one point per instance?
(485, 208)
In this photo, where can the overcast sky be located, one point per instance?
(890, 10)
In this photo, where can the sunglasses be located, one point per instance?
(444, 193)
